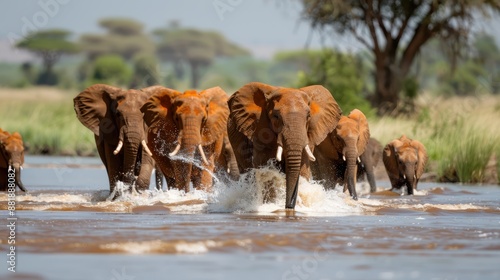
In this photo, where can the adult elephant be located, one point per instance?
(404, 161)
(187, 132)
(268, 122)
(113, 115)
(11, 159)
(368, 161)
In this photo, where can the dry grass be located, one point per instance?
(460, 134)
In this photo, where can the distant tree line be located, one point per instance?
(411, 47)
(125, 55)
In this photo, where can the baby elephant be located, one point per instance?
(405, 161)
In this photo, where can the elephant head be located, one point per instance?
(405, 161)
(113, 115)
(342, 149)
(12, 156)
(190, 124)
(268, 122)
(369, 160)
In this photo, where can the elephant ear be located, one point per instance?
(246, 106)
(390, 159)
(158, 108)
(217, 114)
(325, 113)
(364, 130)
(91, 105)
(422, 157)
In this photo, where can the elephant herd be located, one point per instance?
(190, 136)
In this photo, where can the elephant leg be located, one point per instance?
(144, 177)
(158, 178)
(3, 179)
(114, 167)
(170, 182)
(326, 171)
(370, 174)
(206, 180)
(182, 173)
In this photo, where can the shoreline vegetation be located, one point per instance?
(461, 134)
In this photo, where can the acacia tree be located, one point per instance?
(49, 45)
(197, 48)
(123, 36)
(395, 31)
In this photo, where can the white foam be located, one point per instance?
(247, 195)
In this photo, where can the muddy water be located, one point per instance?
(66, 230)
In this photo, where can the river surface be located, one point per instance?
(66, 230)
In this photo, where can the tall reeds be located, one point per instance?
(461, 136)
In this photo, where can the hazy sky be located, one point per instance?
(262, 26)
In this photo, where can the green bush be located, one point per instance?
(111, 69)
(342, 74)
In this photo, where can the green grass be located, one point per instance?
(47, 123)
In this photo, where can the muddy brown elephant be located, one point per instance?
(268, 122)
(113, 115)
(11, 160)
(188, 137)
(404, 160)
(368, 161)
(338, 155)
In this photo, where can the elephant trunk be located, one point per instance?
(131, 143)
(188, 142)
(351, 172)
(293, 162)
(17, 170)
(410, 178)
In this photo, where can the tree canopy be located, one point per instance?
(196, 48)
(124, 37)
(395, 31)
(49, 45)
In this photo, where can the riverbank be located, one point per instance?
(460, 133)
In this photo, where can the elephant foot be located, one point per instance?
(134, 190)
(112, 196)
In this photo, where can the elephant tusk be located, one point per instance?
(343, 157)
(279, 152)
(200, 148)
(118, 147)
(359, 160)
(404, 176)
(175, 151)
(310, 154)
(145, 146)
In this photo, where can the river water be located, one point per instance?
(66, 230)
